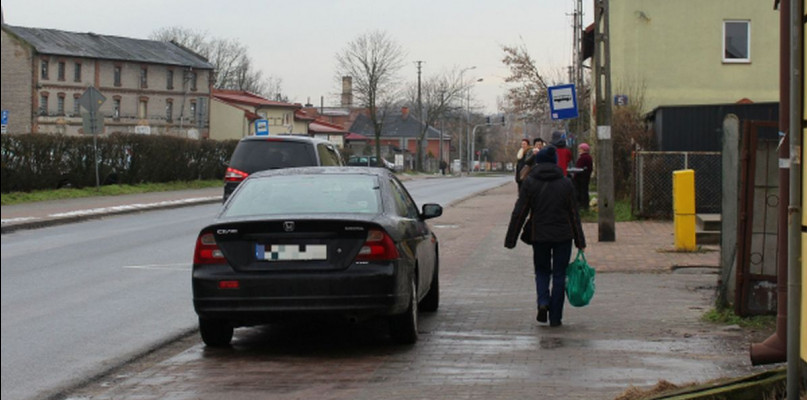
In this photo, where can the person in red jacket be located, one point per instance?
(563, 152)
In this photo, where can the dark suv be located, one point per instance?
(258, 153)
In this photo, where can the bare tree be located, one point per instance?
(530, 96)
(233, 67)
(438, 95)
(373, 60)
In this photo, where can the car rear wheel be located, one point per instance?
(215, 333)
(404, 327)
(431, 302)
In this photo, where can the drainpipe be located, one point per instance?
(774, 348)
(794, 289)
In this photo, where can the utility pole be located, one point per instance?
(578, 64)
(605, 146)
(419, 165)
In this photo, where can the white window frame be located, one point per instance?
(748, 39)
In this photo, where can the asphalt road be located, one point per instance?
(81, 298)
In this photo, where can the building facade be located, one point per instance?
(689, 52)
(234, 112)
(150, 87)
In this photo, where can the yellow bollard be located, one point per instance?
(684, 209)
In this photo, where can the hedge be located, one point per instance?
(46, 161)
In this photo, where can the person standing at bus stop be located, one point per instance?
(582, 178)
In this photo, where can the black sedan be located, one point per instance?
(311, 241)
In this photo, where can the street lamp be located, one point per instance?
(468, 138)
(467, 114)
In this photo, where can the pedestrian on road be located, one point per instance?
(564, 154)
(554, 223)
(521, 158)
(583, 177)
(443, 166)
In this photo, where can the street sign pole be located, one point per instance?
(91, 100)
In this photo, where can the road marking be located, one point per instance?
(159, 267)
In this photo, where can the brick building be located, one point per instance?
(151, 87)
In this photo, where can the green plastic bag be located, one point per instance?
(579, 281)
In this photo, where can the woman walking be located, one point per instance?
(554, 224)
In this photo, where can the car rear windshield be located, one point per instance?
(307, 194)
(259, 155)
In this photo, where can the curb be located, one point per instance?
(67, 218)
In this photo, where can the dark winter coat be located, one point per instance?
(553, 213)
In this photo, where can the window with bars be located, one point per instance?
(43, 74)
(169, 110)
(43, 104)
(60, 71)
(144, 77)
(117, 76)
(192, 116)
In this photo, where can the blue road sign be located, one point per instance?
(4, 119)
(261, 127)
(563, 102)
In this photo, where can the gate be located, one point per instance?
(757, 229)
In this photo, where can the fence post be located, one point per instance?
(684, 209)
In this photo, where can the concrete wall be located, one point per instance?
(671, 52)
(16, 83)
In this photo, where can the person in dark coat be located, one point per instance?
(523, 154)
(549, 199)
(583, 178)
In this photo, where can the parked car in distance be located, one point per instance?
(313, 242)
(369, 161)
(259, 153)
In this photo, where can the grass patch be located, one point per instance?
(108, 190)
(622, 213)
(727, 317)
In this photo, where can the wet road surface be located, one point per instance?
(483, 343)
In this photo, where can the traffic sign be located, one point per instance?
(261, 127)
(4, 119)
(563, 102)
(91, 99)
(92, 123)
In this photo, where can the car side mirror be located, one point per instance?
(431, 210)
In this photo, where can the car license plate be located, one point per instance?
(291, 252)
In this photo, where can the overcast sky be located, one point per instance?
(297, 41)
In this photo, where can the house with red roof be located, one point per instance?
(233, 114)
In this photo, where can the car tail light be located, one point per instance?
(229, 285)
(207, 251)
(234, 175)
(378, 246)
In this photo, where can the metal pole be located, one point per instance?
(93, 116)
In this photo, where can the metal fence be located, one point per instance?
(652, 186)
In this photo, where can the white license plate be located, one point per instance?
(291, 252)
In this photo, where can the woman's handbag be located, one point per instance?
(579, 281)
